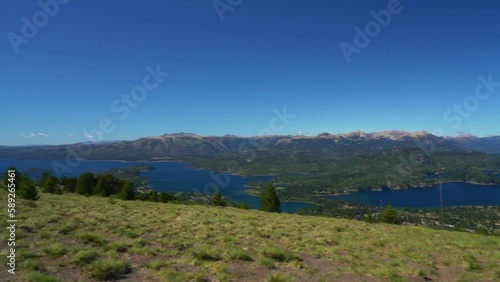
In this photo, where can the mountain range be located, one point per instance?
(179, 146)
(307, 165)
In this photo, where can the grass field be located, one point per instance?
(76, 238)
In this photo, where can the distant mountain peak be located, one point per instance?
(465, 136)
(324, 134)
(178, 134)
(399, 134)
(356, 134)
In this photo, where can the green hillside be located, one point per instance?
(76, 238)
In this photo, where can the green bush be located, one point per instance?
(93, 239)
(155, 264)
(55, 250)
(66, 229)
(278, 254)
(35, 276)
(85, 257)
(205, 253)
(110, 269)
(238, 254)
(279, 277)
(31, 265)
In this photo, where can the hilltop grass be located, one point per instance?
(70, 237)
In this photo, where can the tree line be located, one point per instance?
(107, 185)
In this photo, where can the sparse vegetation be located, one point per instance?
(84, 257)
(75, 237)
(109, 269)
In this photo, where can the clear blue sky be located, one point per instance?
(226, 77)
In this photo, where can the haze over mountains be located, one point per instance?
(181, 145)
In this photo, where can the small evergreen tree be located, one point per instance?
(127, 192)
(85, 184)
(107, 185)
(153, 196)
(217, 199)
(28, 190)
(100, 189)
(244, 205)
(70, 184)
(389, 215)
(165, 197)
(50, 184)
(369, 218)
(44, 179)
(24, 186)
(269, 201)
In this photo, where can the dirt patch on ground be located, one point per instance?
(248, 272)
(446, 272)
(320, 264)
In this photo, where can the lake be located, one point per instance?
(166, 176)
(179, 177)
(454, 194)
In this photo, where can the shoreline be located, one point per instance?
(252, 190)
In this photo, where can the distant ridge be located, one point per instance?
(184, 145)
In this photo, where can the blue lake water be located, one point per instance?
(166, 176)
(454, 194)
(175, 176)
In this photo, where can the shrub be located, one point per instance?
(110, 269)
(279, 277)
(369, 218)
(85, 257)
(205, 253)
(31, 265)
(40, 277)
(155, 264)
(93, 239)
(278, 254)
(55, 250)
(267, 263)
(66, 229)
(238, 254)
(244, 205)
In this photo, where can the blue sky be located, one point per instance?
(418, 72)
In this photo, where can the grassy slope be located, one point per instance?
(74, 237)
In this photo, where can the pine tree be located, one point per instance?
(99, 189)
(27, 189)
(24, 186)
(165, 197)
(217, 199)
(49, 184)
(153, 196)
(127, 192)
(269, 201)
(70, 184)
(107, 185)
(85, 184)
(389, 215)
